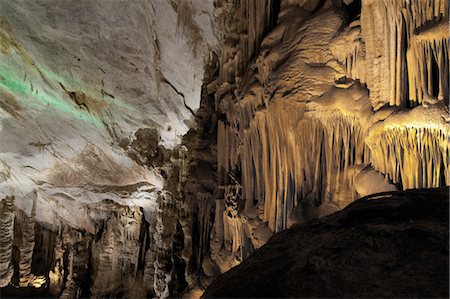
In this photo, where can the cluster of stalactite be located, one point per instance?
(243, 25)
(415, 157)
(389, 29)
(428, 65)
(285, 157)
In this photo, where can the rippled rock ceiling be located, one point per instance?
(148, 146)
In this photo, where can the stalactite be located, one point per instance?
(428, 50)
(6, 239)
(244, 24)
(349, 49)
(388, 29)
(421, 12)
(383, 28)
(415, 157)
(319, 149)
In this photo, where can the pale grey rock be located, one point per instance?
(77, 81)
(82, 77)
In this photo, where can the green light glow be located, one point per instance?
(22, 90)
(40, 87)
(70, 83)
(55, 77)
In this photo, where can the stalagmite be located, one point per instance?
(6, 239)
(369, 181)
(56, 275)
(71, 290)
(116, 254)
(27, 243)
(163, 236)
